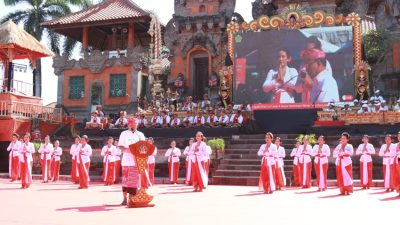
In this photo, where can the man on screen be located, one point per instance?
(324, 88)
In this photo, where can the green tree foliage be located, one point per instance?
(377, 43)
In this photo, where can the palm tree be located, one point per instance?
(32, 16)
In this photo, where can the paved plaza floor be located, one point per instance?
(63, 204)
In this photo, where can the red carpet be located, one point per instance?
(63, 204)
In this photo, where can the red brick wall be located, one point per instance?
(90, 78)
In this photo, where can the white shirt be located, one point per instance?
(280, 154)
(197, 151)
(364, 156)
(240, 118)
(324, 88)
(173, 154)
(208, 153)
(143, 122)
(152, 159)
(202, 120)
(388, 157)
(361, 111)
(29, 148)
(57, 154)
(204, 103)
(348, 150)
(127, 138)
(85, 153)
(186, 152)
(112, 152)
(118, 154)
(323, 156)
(214, 119)
(175, 122)
(95, 120)
(155, 119)
(397, 108)
(224, 119)
(166, 118)
(269, 155)
(46, 151)
(188, 119)
(74, 150)
(294, 154)
(290, 80)
(384, 108)
(13, 148)
(304, 153)
(376, 99)
(124, 122)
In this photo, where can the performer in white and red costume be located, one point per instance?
(388, 152)
(25, 161)
(173, 154)
(197, 151)
(108, 152)
(296, 169)
(268, 152)
(151, 162)
(279, 172)
(84, 154)
(304, 155)
(365, 150)
(344, 173)
(13, 159)
(321, 152)
(74, 151)
(55, 161)
(188, 165)
(46, 150)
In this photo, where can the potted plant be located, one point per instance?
(218, 145)
(312, 138)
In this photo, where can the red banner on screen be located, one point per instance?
(286, 106)
(240, 71)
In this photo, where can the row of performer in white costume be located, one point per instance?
(21, 160)
(197, 162)
(272, 176)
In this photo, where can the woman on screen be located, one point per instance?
(280, 82)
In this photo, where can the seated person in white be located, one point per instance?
(236, 119)
(121, 121)
(188, 120)
(175, 121)
(223, 120)
(364, 109)
(95, 122)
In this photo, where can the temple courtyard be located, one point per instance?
(62, 203)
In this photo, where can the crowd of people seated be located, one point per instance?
(375, 104)
(172, 114)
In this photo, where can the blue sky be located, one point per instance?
(165, 11)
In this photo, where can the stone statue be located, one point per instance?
(262, 7)
(387, 15)
(358, 6)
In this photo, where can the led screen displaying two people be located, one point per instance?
(294, 66)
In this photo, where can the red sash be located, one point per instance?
(164, 120)
(235, 119)
(121, 122)
(198, 120)
(212, 120)
(154, 119)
